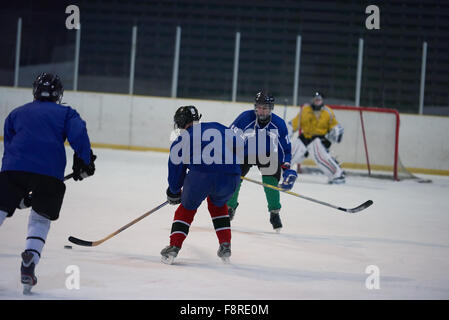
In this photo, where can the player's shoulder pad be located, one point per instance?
(278, 121)
(328, 109)
(245, 117)
(306, 108)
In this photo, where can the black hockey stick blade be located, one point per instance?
(96, 243)
(80, 242)
(361, 207)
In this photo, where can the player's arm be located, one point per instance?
(8, 130)
(83, 158)
(284, 141)
(176, 175)
(288, 175)
(336, 130)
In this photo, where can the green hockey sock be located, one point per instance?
(232, 203)
(273, 196)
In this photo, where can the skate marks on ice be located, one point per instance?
(346, 241)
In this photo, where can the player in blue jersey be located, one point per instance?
(213, 174)
(34, 161)
(262, 123)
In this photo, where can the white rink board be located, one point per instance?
(147, 122)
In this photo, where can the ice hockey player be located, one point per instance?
(253, 122)
(211, 180)
(318, 130)
(34, 161)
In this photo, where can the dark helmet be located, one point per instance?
(264, 99)
(317, 97)
(185, 115)
(48, 87)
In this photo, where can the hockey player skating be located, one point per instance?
(319, 128)
(205, 180)
(254, 122)
(34, 161)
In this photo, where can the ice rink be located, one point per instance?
(321, 253)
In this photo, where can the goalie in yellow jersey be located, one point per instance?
(318, 129)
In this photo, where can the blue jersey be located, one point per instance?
(246, 122)
(203, 147)
(34, 136)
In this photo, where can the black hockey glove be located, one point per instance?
(80, 169)
(173, 198)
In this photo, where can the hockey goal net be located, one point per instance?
(370, 144)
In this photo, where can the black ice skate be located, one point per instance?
(224, 251)
(28, 278)
(275, 220)
(169, 254)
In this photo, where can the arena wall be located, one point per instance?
(145, 123)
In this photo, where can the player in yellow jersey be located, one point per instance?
(318, 129)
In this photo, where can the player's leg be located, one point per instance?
(325, 162)
(47, 198)
(195, 190)
(299, 152)
(233, 201)
(180, 229)
(222, 226)
(273, 198)
(224, 186)
(11, 192)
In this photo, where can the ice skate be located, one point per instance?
(224, 251)
(169, 254)
(275, 220)
(338, 180)
(28, 278)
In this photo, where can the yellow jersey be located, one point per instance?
(314, 123)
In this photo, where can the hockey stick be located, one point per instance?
(361, 207)
(69, 176)
(98, 242)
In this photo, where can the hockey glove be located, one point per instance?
(336, 134)
(80, 169)
(289, 178)
(173, 198)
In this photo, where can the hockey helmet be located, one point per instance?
(317, 101)
(48, 87)
(264, 100)
(185, 115)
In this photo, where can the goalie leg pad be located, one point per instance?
(299, 151)
(324, 160)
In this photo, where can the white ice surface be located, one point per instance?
(321, 253)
